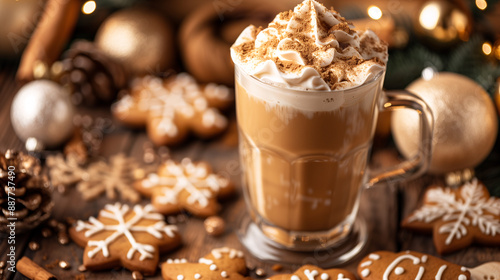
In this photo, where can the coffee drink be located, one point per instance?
(308, 92)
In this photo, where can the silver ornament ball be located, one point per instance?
(465, 122)
(42, 110)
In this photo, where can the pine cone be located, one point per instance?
(92, 76)
(31, 195)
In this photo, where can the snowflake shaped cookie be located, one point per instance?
(186, 185)
(172, 108)
(311, 272)
(385, 265)
(65, 171)
(110, 178)
(458, 217)
(124, 236)
(221, 263)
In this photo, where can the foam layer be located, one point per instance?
(292, 101)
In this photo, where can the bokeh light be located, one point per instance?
(487, 48)
(481, 4)
(89, 7)
(429, 16)
(374, 12)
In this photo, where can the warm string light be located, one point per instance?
(481, 4)
(429, 17)
(374, 12)
(89, 7)
(487, 48)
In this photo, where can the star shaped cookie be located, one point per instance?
(124, 236)
(458, 217)
(185, 185)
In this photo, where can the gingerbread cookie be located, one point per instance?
(458, 217)
(384, 265)
(186, 185)
(221, 263)
(121, 236)
(311, 272)
(172, 108)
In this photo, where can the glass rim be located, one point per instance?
(374, 79)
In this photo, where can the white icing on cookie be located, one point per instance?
(311, 275)
(205, 261)
(424, 258)
(440, 272)
(217, 253)
(186, 176)
(367, 263)
(399, 270)
(395, 262)
(365, 272)
(179, 96)
(176, 261)
(471, 208)
(125, 228)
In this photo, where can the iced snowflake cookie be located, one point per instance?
(311, 272)
(172, 108)
(384, 265)
(458, 217)
(221, 263)
(186, 185)
(114, 178)
(124, 236)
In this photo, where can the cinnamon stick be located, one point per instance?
(32, 270)
(51, 34)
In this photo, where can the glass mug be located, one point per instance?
(304, 157)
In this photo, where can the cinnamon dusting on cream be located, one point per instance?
(310, 36)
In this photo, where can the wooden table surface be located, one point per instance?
(382, 207)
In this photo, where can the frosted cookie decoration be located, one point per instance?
(221, 263)
(171, 108)
(113, 178)
(384, 265)
(311, 272)
(185, 185)
(125, 236)
(458, 217)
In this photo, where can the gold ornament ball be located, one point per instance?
(465, 122)
(17, 21)
(442, 24)
(141, 39)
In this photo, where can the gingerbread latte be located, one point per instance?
(308, 90)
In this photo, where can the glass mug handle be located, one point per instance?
(418, 163)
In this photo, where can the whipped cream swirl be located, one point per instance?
(311, 48)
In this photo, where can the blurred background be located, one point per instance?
(94, 48)
(194, 35)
